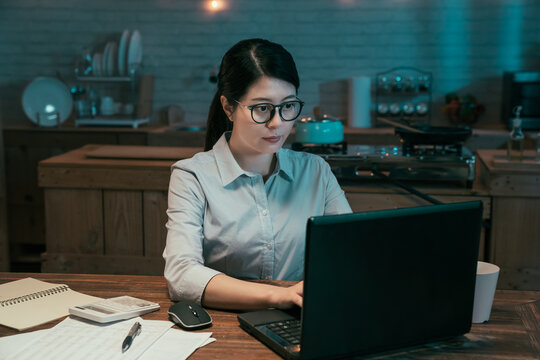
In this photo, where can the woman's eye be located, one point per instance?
(289, 106)
(261, 108)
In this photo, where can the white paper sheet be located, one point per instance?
(176, 345)
(10, 345)
(74, 339)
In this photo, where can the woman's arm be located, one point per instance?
(225, 292)
(336, 202)
(187, 276)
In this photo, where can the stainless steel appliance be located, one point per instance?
(419, 163)
(433, 164)
(521, 89)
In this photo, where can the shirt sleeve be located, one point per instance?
(185, 272)
(336, 202)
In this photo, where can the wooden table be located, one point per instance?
(512, 333)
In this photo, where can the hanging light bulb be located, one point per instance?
(215, 5)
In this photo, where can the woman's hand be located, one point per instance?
(287, 297)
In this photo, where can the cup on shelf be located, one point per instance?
(128, 109)
(108, 106)
(82, 108)
(118, 108)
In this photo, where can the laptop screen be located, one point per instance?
(382, 280)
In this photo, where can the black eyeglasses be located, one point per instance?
(264, 112)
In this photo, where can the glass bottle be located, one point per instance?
(515, 142)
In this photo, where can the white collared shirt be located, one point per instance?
(223, 219)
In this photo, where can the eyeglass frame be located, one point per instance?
(273, 113)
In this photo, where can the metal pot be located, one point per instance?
(325, 131)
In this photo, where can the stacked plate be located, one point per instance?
(119, 59)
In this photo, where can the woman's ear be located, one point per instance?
(227, 107)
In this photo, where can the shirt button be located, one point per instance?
(268, 246)
(264, 212)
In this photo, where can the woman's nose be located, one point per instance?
(275, 121)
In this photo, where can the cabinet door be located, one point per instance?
(123, 222)
(382, 201)
(515, 242)
(74, 221)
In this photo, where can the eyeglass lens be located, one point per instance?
(264, 112)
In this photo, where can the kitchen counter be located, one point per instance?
(105, 208)
(480, 139)
(26, 145)
(515, 233)
(115, 198)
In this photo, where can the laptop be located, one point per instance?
(379, 281)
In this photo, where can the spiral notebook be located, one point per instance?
(29, 302)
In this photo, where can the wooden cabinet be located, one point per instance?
(105, 208)
(378, 195)
(24, 147)
(107, 215)
(515, 236)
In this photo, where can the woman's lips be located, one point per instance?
(272, 139)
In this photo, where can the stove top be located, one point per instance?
(396, 153)
(454, 163)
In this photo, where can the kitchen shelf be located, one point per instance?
(105, 78)
(105, 121)
(404, 93)
(101, 82)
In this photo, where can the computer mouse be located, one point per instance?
(189, 316)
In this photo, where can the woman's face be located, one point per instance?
(251, 138)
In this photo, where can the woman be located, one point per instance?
(238, 211)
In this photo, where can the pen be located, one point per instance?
(135, 330)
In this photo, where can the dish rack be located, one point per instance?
(109, 84)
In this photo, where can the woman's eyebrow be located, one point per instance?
(269, 100)
(290, 96)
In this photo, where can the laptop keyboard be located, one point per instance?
(288, 330)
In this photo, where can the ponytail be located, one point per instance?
(217, 122)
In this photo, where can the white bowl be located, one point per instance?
(46, 101)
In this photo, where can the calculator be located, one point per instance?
(114, 309)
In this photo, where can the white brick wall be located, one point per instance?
(465, 44)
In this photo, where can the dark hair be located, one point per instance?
(240, 67)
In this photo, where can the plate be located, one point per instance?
(105, 59)
(135, 51)
(122, 49)
(112, 61)
(48, 100)
(96, 64)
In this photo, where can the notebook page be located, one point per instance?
(23, 287)
(37, 309)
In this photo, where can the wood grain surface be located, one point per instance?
(513, 331)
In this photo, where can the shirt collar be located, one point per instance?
(283, 165)
(226, 163)
(230, 170)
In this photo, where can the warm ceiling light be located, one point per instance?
(215, 5)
